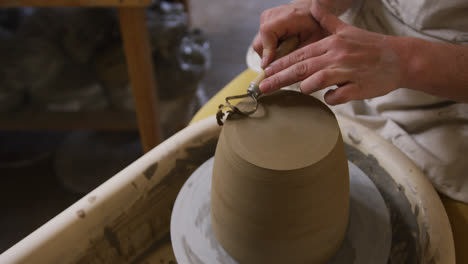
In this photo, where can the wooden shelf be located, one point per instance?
(75, 3)
(94, 120)
(137, 52)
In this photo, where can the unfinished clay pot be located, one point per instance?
(280, 190)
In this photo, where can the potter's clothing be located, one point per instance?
(432, 131)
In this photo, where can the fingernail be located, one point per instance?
(264, 61)
(268, 71)
(265, 57)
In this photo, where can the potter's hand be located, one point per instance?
(282, 22)
(361, 63)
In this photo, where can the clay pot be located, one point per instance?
(280, 190)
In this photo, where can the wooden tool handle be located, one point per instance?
(284, 48)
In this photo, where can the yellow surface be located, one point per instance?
(458, 216)
(457, 211)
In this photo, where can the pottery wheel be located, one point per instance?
(368, 238)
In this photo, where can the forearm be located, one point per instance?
(439, 69)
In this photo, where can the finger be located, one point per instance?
(342, 94)
(269, 42)
(325, 78)
(257, 45)
(291, 75)
(313, 50)
(326, 18)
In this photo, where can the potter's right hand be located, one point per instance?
(282, 22)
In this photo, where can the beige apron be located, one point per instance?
(432, 131)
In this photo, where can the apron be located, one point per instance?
(431, 131)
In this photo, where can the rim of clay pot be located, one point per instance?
(260, 140)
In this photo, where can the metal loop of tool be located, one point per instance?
(233, 109)
(254, 90)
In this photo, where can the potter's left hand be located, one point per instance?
(362, 64)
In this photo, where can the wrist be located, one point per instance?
(432, 67)
(409, 52)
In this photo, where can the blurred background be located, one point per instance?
(59, 65)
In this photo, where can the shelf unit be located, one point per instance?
(141, 73)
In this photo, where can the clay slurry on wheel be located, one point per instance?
(367, 238)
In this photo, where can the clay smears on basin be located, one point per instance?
(280, 182)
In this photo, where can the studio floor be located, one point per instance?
(31, 191)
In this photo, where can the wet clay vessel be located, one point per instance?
(280, 187)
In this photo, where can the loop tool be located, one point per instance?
(253, 91)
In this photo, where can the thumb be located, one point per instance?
(325, 17)
(269, 41)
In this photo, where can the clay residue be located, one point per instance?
(153, 209)
(192, 257)
(149, 172)
(407, 236)
(142, 258)
(203, 213)
(92, 199)
(186, 166)
(353, 139)
(113, 240)
(221, 255)
(81, 213)
(354, 136)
